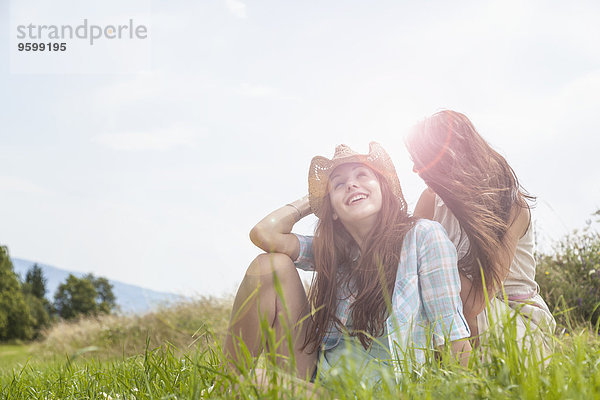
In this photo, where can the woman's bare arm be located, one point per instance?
(426, 205)
(474, 301)
(520, 218)
(273, 232)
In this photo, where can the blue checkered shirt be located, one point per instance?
(426, 304)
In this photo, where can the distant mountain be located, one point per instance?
(130, 298)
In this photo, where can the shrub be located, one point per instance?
(570, 279)
(39, 312)
(16, 321)
(187, 324)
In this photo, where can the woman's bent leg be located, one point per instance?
(258, 299)
(533, 325)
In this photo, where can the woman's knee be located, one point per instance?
(265, 265)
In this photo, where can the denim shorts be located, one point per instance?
(348, 353)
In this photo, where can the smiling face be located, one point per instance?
(355, 195)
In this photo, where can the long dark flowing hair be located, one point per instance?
(370, 278)
(475, 182)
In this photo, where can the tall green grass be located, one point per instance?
(183, 325)
(94, 367)
(572, 372)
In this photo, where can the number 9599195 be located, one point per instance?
(50, 46)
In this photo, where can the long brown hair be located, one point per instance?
(370, 279)
(475, 182)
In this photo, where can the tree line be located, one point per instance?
(25, 311)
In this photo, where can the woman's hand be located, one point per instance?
(461, 349)
(272, 233)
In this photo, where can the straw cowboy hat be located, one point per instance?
(321, 167)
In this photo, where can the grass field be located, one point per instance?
(174, 354)
(11, 354)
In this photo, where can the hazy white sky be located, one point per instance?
(155, 178)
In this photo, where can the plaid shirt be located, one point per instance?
(426, 304)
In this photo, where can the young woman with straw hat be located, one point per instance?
(476, 196)
(386, 284)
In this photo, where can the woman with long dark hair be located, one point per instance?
(386, 284)
(476, 196)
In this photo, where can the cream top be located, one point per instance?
(520, 283)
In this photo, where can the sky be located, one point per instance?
(155, 176)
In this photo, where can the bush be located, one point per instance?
(39, 312)
(570, 279)
(184, 325)
(16, 321)
(85, 296)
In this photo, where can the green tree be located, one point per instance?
(89, 295)
(74, 297)
(570, 278)
(34, 289)
(40, 314)
(36, 282)
(105, 298)
(16, 321)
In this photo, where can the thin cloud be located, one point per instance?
(252, 90)
(146, 141)
(237, 8)
(149, 86)
(19, 185)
